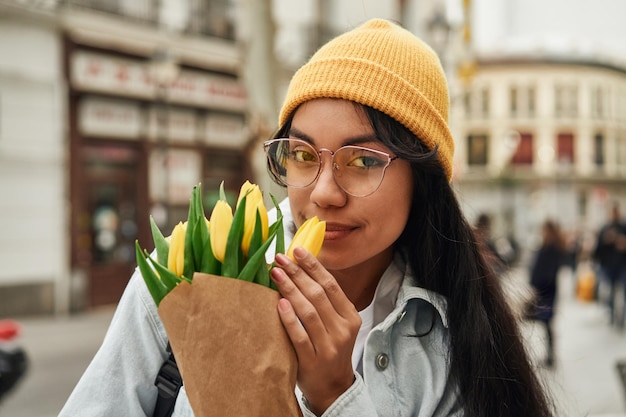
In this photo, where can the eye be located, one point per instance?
(367, 162)
(361, 158)
(303, 155)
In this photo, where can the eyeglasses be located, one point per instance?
(357, 170)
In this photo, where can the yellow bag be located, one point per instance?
(586, 285)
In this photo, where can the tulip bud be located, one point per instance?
(254, 204)
(309, 236)
(220, 222)
(176, 255)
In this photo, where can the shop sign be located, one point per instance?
(102, 73)
(109, 118)
(177, 125)
(208, 91)
(225, 131)
(107, 74)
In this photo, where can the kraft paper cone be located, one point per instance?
(231, 348)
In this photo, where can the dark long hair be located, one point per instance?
(488, 358)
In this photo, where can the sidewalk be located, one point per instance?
(59, 350)
(585, 381)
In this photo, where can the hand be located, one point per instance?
(322, 324)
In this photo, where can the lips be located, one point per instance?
(335, 231)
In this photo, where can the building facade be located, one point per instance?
(542, 136)
(111, 113)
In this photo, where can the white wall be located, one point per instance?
(33, 241)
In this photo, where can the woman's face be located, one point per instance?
(360, 231)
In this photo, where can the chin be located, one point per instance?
(335, 261)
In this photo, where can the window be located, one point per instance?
(513, 101)
(212, 18)
(565, 149)
(566, 101)
(597, 102)
(531, 101)
(477, 147)
(621, 150)
(598, 149)
(522, 101)
(524, 153)
(467, 103)
(484, 98)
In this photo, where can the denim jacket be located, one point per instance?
(405, 364)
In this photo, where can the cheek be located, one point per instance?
(298, 199)
(396, 206)
(395, 213)
(389, 213)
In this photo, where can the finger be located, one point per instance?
(310, 288)
(305, 311)
(311, 265)
(342, 323)
(298, 336)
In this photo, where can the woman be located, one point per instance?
(400, 314)
(543, 279)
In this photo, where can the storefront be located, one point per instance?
(136, 149)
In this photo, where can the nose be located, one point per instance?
(326, 192)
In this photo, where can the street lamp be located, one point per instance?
(508, 147)
(439, 31)
(163, 71)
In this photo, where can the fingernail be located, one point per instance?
(277, 275)
(299, 252)
(281, 259)
(283, 305)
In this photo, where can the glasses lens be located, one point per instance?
(359, 171)
(294, 162)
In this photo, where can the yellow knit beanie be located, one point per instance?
(381, 65)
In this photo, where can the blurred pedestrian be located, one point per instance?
(543, 278)
(487, 244)
(610, 256)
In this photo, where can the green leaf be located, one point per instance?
(209, 264)
(248, 273)
(257, 236)
(155, 286)
(169, 279)
(192, 220)
(262, 277)
(280, 229)
(161, 244)
(233, 255)
(222, 192)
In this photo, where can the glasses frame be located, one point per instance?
(334, 167)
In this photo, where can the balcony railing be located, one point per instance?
(205, 17)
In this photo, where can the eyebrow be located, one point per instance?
(356, 140)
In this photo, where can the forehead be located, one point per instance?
(337, 121)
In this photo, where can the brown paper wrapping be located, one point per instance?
(231, 348)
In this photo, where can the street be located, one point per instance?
(585, 381)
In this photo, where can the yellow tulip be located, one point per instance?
(309, 236)
(221, 220)
(254, 204)
(176, 255)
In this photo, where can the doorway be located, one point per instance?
(112, 206)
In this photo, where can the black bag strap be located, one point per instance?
(168, 382)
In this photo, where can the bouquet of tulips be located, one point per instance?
(233, 353)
